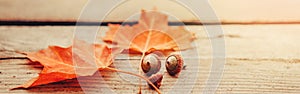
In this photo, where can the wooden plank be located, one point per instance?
(258, 61)
(70, 10)
(270, 40)
(232, 11)
(240, 76)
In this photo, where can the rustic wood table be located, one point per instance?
(259, 59)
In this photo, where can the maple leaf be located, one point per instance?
(77, 60)
(152, 33)
(58, 62)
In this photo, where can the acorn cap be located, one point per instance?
(156, 79)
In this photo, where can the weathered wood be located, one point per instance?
(260, 59)
(232, 11)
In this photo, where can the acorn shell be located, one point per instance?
(174, 66)
(151, 64)
(156, 79)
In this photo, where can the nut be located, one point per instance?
(174, 64)
(151, 64)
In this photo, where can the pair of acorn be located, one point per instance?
(151, 65)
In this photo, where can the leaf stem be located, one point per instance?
(144, 53)
(141, 60)
(140, 76)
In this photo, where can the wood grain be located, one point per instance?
(259, 59)
(231, 11)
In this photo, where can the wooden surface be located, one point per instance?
(236, 11)
(259, 59)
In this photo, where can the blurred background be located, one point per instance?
(228, 11)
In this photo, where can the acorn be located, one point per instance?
(174, 64)
(151, 64)
(156, 79)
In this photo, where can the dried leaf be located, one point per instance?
(152, 33)
(113, 28)
(58, 62)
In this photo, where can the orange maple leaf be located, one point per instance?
(77, 60)
(58, 62)
(152, 33)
